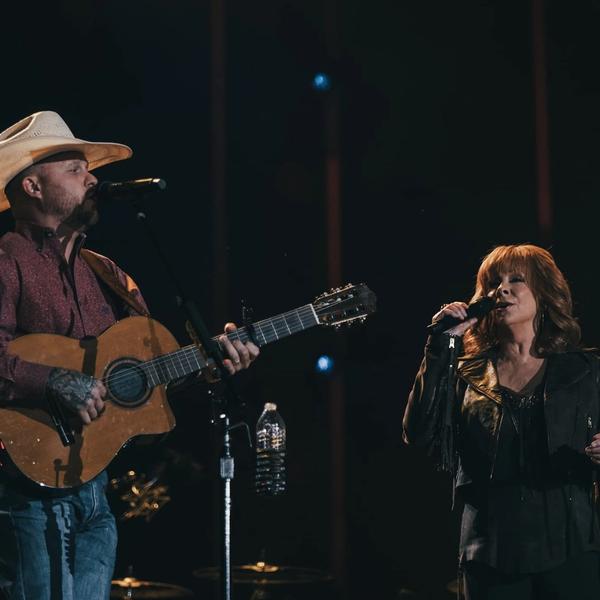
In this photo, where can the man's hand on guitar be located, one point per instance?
(78, 392)
(240, 355)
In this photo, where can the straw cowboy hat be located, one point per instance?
(41, 135)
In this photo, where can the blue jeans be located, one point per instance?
(57, 548)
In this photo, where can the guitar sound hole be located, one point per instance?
(126, 383)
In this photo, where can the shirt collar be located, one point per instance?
(44, 237)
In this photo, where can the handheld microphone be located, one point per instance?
(108, 190)
(476, 309)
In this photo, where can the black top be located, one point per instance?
(522, 521)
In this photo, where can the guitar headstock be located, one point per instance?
(345, 305)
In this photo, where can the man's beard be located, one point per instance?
(80, 217)
(83, 216)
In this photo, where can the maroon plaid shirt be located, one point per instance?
(41, 293)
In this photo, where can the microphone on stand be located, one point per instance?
(109, 190)
(477, 309)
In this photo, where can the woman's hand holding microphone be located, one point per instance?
(458, 310)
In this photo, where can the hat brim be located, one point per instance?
(33, 150)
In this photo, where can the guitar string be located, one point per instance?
(164, 360)
(184, 353)
(164, 365)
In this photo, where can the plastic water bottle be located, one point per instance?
(270, 452)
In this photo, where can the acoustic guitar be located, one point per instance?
(136, 359)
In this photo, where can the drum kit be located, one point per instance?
(140, 498)
(262, 579)
(135, 496)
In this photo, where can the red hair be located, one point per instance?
(556, 328)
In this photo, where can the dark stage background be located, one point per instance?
(438, 164)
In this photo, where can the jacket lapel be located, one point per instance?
(481, 375)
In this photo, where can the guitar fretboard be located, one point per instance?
(188, 360)
(276, 328)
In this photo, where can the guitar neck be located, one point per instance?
(190, 359)
(276, 328)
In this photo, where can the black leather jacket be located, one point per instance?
(571, 410)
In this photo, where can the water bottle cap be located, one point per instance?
(270, 406)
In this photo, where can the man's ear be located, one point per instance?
(31, 186)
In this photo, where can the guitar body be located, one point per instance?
(29, 435)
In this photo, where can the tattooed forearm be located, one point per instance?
(70, 388)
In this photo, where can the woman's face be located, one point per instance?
(511, 289)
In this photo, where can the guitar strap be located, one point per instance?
(97, 263)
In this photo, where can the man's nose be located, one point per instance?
(91, 180)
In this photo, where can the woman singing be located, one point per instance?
(512, 411)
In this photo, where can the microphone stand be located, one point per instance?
(218, 394)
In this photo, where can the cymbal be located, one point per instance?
(262, 573)
(130, 587)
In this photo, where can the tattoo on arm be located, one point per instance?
(70, 388)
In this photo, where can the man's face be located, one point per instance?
(67, 189)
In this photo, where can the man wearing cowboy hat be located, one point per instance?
(58, 545)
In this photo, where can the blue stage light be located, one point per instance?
(324, 364)
(321, 82)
